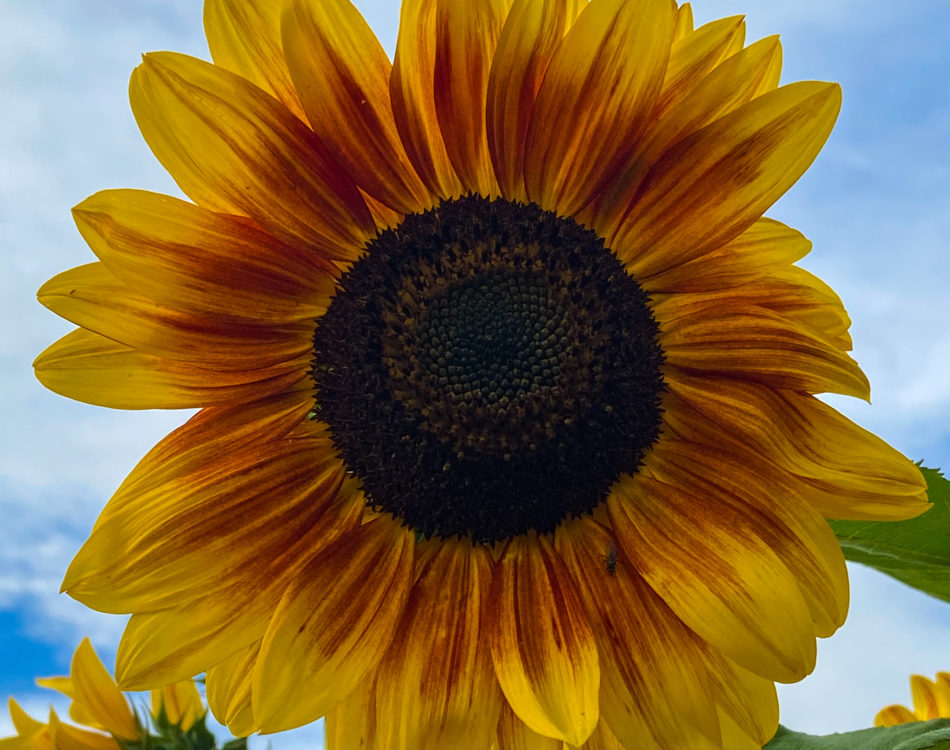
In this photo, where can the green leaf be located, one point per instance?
(915, 551)
(920, 735)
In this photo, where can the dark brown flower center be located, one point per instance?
(487, 368)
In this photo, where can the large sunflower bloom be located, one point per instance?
(107, 720)
(508, 430)
(931, 699)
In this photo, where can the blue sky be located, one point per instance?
(876, 204)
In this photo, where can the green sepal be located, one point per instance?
(168, 736)
(920, 735)
(915, 552)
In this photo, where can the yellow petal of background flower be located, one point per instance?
(65, 737)
(244, 37)
(654, 682)
(411, 90)
(97, 692)
(724, 582)
(91, 368)
(715, 183)
(200, 262)
(893, 715)
(180, 701)
(435, 685)
(465, 39)
(527, 42)
(24, 724)
(595, 100)
(92, 297)
(342, 75)
(232, 148)
(228, 687)
(924, 694)
(761, 250)
(334, 622)
(547, 666)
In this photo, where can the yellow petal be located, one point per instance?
(92, 297)
(435, 685)
(654, 685)
(201, 532)
(731, 84)
(334, 622)
(78, 712)
(514, 734)
(924, 694)
(232, 148)
(723, 581)
(411, 89)
(747, 702)
(527, 42)
(24, 724)
(943, 694)
(693, 56)
(351, 725)
(725, 336)
(197, 261)
(683, 23)
(342, 75)
(97, 692)
(181, 703)
(244, 37)
(604, 739)
(65, 737)
(228, 687)
(91, 368)
(735, 737)
(465, 39)
(764, 248)
(63, 684)
(714, 183)
(175, 644)
(848, 472)
(547, 665)
(595, 100)
(893, 715)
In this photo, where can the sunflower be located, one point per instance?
(507, 427)
(931, 700)
(108, 721)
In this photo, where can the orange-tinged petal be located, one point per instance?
(731, 84)
(91, 368)
(848, 472)
(334, 622)
(761, 250)
(747, 492)
(244, 37)
(232, 148)
(181, 703)
(206, 532)
(465, 39)
(435, 685)
(99, 695)
(196, 261)
(411, 90)
(342, 75)
(653, 674)
(228, 687)
(531, 34)
(715, 183)
(746, 341)
(92, 297)
(514, 734)
(723, 581)
(599, 89)
(547, 666)
(893, 715)
(693, 56)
